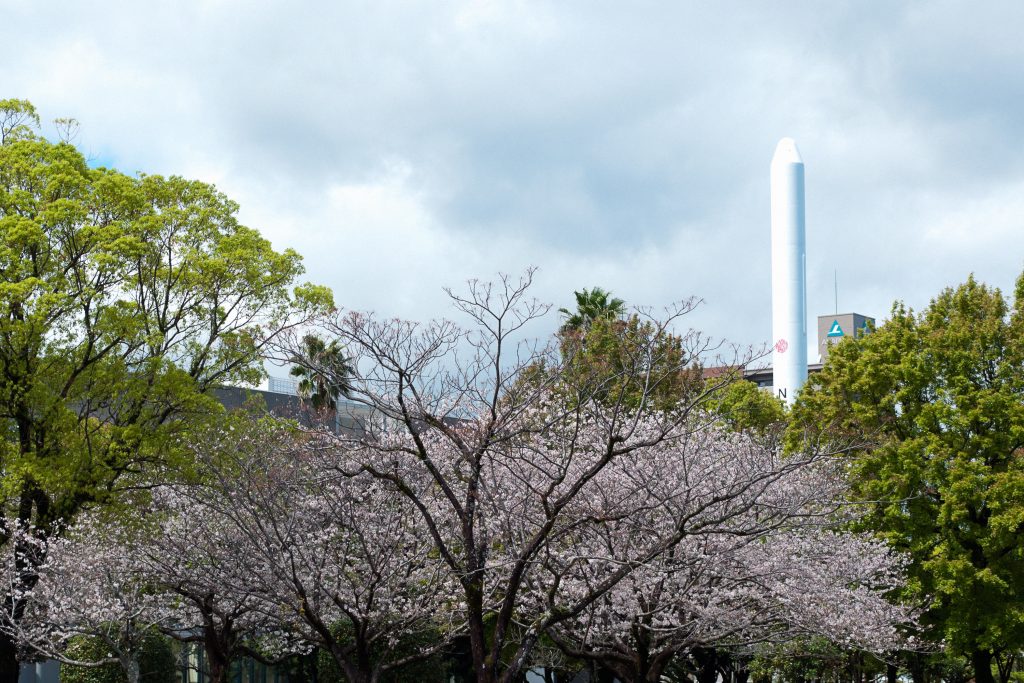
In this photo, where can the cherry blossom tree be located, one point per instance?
(90, 584)
(340, 562)
(720, 499)
(512, 462)
(507, 492)
(726, 594)
(176, 568)
(23, 550)
(190, 553)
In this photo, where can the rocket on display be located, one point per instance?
(789, 272)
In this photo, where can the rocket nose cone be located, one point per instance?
(787, 153)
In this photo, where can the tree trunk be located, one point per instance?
(1004, 665)
(9, 666)
(461, 660)
(218, 659)
(707, 665)
(356, 675)
(219, 670)
(600, 674)
(733, 669)
(132, 670)
(482, 673)
(656, 670)
(917, 669)
(982, 662)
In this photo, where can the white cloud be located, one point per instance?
(401, 147)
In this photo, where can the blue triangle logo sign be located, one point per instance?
(836, 330)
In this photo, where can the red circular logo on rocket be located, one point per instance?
(781, 345)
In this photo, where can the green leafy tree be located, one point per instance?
(813, 659)
(157, 662)
(593, 304)
(635, 363)
(631, 361)
(743, 406)
(642, 364)
(323, 371)
(124, 302)
(430, 670)
(933, 404)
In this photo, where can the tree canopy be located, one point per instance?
(323, 372)
(124, 300)
(932, 405)
(546, 477)
(593, 304)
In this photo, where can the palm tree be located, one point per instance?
(324, 372)
(592, 304)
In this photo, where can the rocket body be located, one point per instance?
(789, 272)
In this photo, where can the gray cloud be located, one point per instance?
(403, 146)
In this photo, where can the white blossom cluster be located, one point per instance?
(499, 498)
(284, 541)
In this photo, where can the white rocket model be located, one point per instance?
(789, 272)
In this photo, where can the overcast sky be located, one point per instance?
(401, 147)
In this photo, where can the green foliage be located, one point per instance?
(633, 363)
(745, 407)
(124, 301)
(592, 305)
(637, 363)
(932, 405)
(428, 670)
(812, 659)
(323, 371)
(18, 120)
(936, 666)
(157, 663)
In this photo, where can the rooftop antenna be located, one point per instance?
(835, 275)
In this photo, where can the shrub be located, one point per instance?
(157, 662)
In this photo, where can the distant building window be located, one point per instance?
(283, 385)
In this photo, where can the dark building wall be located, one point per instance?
(349, 417)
